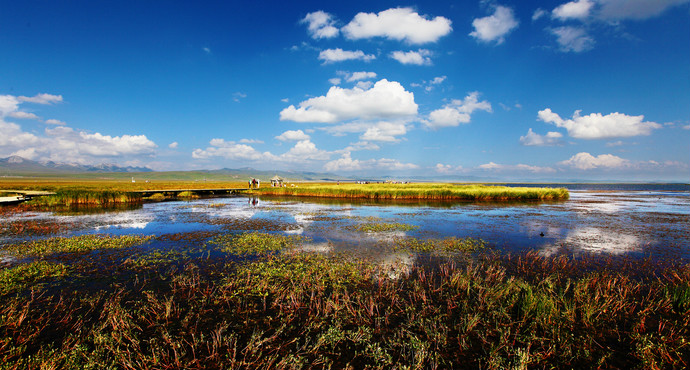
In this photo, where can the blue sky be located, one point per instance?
(587, 89)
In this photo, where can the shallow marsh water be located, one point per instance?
(651, 221)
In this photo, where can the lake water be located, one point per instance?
(620, 220)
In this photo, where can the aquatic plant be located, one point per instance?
(447, 245)
(75, 244)
(374, 227)
(256, 243)
(28, 275)
(420, 191)
(306, 310)
(33, 227)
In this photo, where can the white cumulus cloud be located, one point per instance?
(346, 164)
(534, 139)
(231, 150)
(54, 122)
(340, 55)
(447, 168)
(23, 115)
(457, 112)
(384, 131)
(538, 14)
(321, 25)
(573, 10)
(363, 75)
(495, 27)
(573, 39)
(599, 126)
(293, 135)
(491, 166)
(586, 161)
(62, 144)
(305, 150)
(402, 24)
(419, 57)
(384, 100)
(41, 99)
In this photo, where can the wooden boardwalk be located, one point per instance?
(171, 192)
(24, 195)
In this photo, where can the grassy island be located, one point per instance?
(419, 192)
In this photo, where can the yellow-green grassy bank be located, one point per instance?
(420, 192)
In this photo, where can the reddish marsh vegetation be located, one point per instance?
(302, 310)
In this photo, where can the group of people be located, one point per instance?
(254, 183)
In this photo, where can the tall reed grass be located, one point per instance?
(87, 197)
(420, 191)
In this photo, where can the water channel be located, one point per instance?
(650, 221)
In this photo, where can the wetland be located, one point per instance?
(596, 280)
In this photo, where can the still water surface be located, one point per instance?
(638, 221)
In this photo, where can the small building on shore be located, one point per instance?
(277, 181)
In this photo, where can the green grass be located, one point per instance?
(156, 197)
(420, 191)
(374, 227)
(75, 244)
(86, 197)
(188, 195)
(256, 243)
(30, 275)
(446, 245)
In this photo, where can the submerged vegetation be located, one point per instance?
(306, 310)
(446, 245)
(256, 243)
(28, 276)
(420, 191)
(82, 243)
(373, 227)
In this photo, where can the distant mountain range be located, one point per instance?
(18, 166)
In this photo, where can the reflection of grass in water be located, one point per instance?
(421, 191)
(83, 243)
(302, 310)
